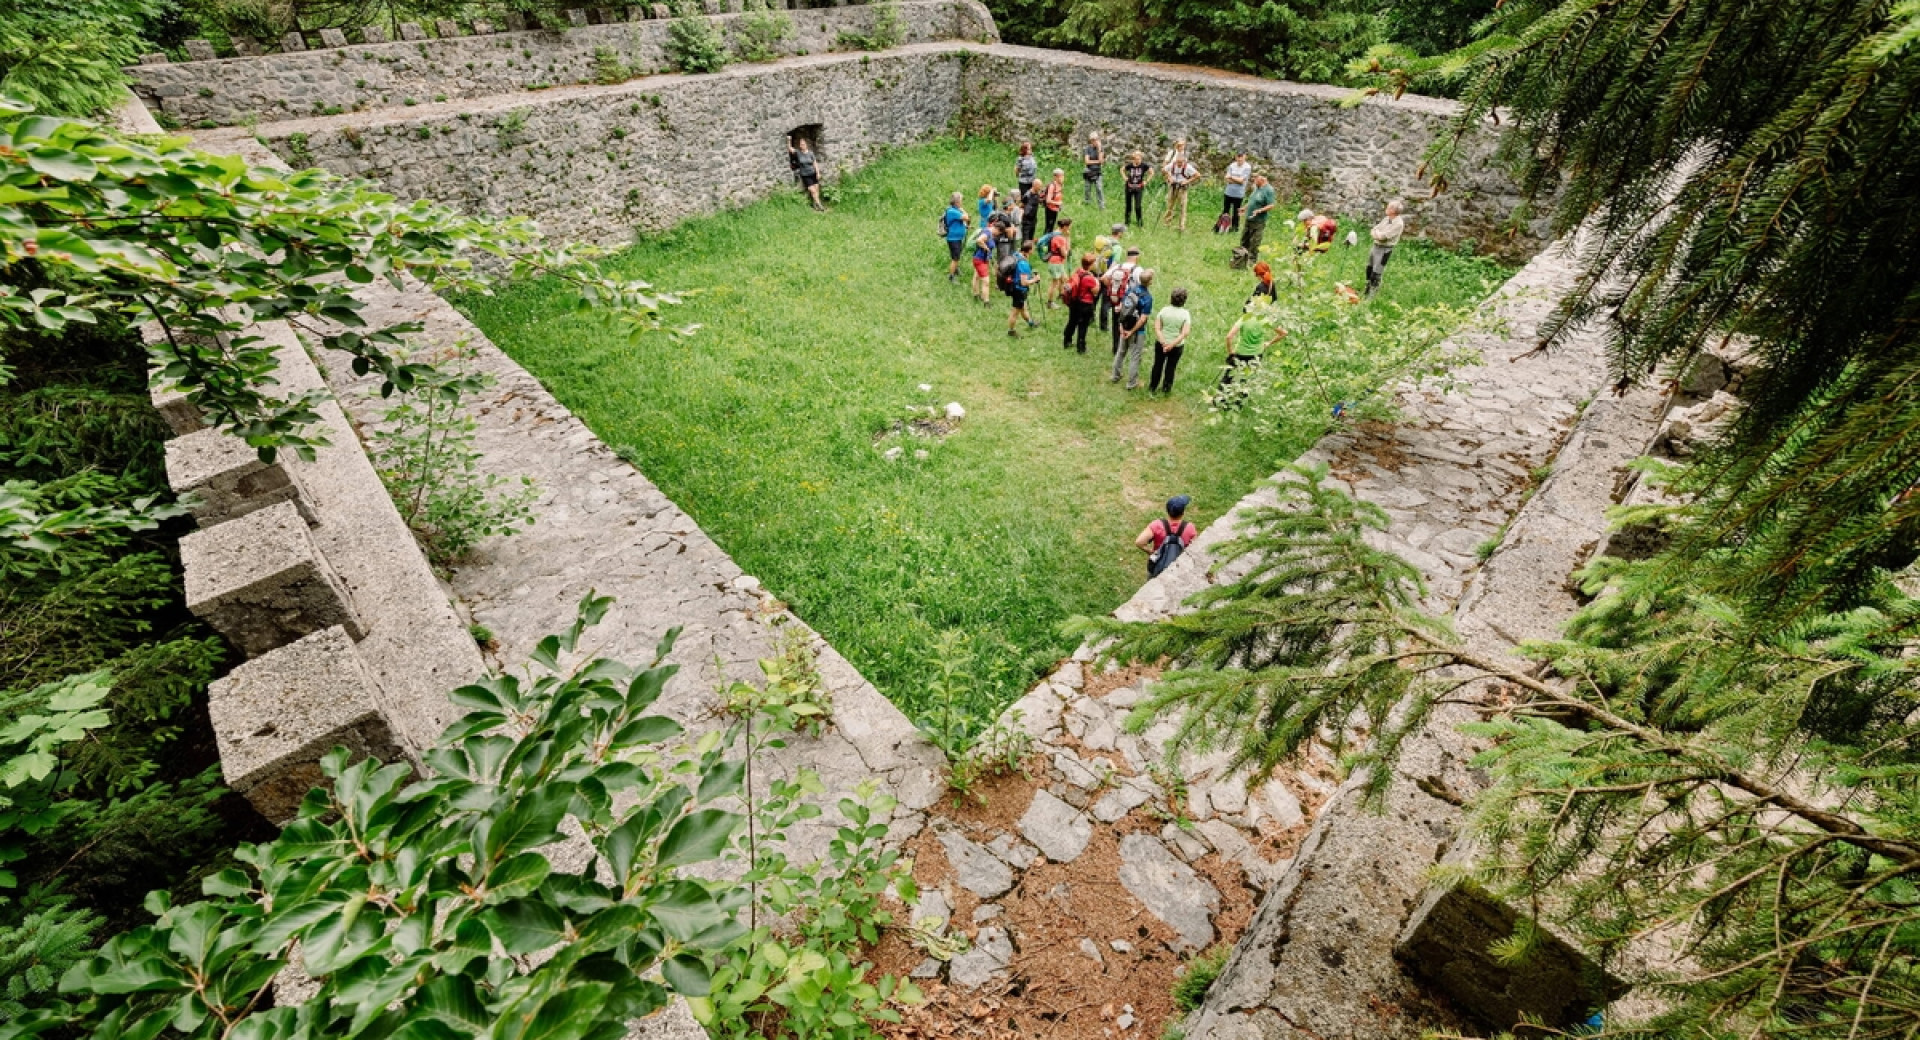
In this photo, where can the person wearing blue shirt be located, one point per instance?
(1023, 279)
(989, 201)
(954, 224)
(1133, 329)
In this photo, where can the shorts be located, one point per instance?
(1057, 270)
(1019, 298)
(954, 245)
(808, 180)
(980, 267)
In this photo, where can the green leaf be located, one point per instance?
(648, 729)
(721, 780)
(517, 877)
(688, 975)
(527, 925)
(697, 837)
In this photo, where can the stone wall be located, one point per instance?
(599, 163)
(1315, 144)
(408, 72)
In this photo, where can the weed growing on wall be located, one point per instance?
(757, 35)
(425, 454)
(694, 45)
(888, 30)
(608, 69)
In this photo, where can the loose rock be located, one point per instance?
(991, 952)
(1056, 828)
(977, 870)
(1169, 888)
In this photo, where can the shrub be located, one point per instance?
(759, 34)
(695, 46)
(888, 30)
(608, 69)
(424, 451)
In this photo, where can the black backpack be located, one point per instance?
(1128, 311)
(1169, 551)
(1009, 274)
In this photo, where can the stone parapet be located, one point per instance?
(223, 478)
(375, 75)
(277, 715)
(259, 580)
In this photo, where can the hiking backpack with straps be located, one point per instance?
(1169, 550)
(1009, 274)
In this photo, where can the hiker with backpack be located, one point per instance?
(1115, 285)
(1082, 290)
(983, 250)
(1016, 280)
(1006, 225)
(1055, 247)
(1108, 251)
(987, 202)
(1165, 540)
(953, 228)
(1263, 283)
(1131, 316)
(1029, 212)
(1317, 232)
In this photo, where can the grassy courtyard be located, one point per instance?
(819, 330)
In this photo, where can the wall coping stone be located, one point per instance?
(259, 579)
(275, 716)
(222, 477)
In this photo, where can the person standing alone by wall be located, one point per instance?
(1135, 176)
(1170, 329)
(1386, 235)
(1093, 170)
(1239, 174)
(1165, 540)
(953, 225)
(1083, 289)
(800, 156)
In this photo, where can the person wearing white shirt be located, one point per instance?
(1386, 235)
(1181, 173)
(1239, 175)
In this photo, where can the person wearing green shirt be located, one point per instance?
(1260, 202)
(1170, 329)
(1251, 337)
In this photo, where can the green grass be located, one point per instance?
(818, 331)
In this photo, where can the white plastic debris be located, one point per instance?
(924, 387)
(954, 411)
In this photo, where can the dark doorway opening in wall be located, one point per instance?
(815, 135)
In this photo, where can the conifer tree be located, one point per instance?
(1743, 171)
(1682, 777)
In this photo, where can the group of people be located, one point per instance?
(1009, 247)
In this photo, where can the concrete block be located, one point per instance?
(662, 11)
(293, 43)
(446, 30)
(332, 38)
(712, 7)
(636, 14)
(1445, 944)
(246, 46)
(482, 27)
(200, 50)
(156, 58)
(412, 31)
(276, 716)
(226, 478)
(516, 22)
(576, 17)
(260, 581)
(604, 16)
(374, 34)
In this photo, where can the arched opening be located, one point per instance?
(815, 136)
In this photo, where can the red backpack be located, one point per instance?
(1085, 287)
